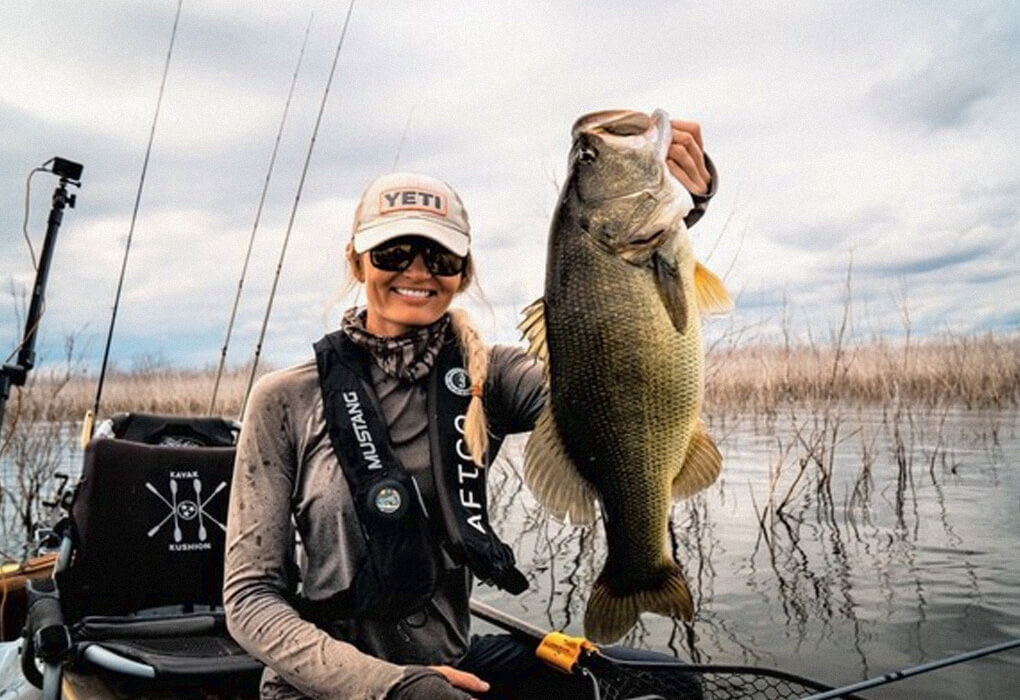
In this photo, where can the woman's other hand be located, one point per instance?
(686, 157)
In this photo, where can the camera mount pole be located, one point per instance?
(17, 373)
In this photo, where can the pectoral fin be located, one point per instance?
(552, 477)
(710, 292)
(701, 466)
(532, 327)
(671, 290)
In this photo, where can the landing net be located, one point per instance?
(624, 679)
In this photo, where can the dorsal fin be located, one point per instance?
(532, 327)
(553, 477)
(709, 291)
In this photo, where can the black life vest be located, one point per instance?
(401, 571)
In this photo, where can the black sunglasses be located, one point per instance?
(398, 254)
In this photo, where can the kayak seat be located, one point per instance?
(193, 656)
(140, 578)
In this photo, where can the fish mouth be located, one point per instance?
(664, 132)
(626, 123)
(617, 122)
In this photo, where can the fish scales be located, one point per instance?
(630, 408)
(619, 332)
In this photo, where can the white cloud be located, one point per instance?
(881, 130)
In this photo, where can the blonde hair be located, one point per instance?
(476, 357)
(475, 352)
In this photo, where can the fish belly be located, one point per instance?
(626, 390)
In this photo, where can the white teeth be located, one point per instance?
(417, 293)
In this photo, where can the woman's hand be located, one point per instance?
(686, 157)
(436, 683)
(462, 679)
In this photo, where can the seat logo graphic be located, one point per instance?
(187, 512)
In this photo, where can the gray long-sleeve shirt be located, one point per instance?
(287, 471)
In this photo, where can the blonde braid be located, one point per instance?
(476, 356)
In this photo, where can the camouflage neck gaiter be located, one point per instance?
(407, 357)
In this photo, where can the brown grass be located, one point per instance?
(968, 371)
(167, 391)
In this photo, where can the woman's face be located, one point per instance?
(398, 302)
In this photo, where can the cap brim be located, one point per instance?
(371, 236)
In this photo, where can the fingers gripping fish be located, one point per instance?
(619, 331)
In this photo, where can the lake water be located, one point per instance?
(915, 559)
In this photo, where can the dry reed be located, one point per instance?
(981, 371)
(162, 391)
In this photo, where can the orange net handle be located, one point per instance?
(562, 651)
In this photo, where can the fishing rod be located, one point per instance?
(16, 374)
(258, 217)
(894, 676)
(558, 650)
(293, 211)
(403, 137)
(90, 416)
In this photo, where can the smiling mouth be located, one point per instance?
(413, 293)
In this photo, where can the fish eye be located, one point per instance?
(587, 154)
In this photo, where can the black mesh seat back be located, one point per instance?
(177, 431)
(148, 524)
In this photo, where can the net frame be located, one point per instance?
(621, 679)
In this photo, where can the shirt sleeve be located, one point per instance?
(515, 391)
(259, 543)
(701, 200)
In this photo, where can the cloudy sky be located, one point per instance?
(885, 134)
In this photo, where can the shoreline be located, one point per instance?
(973, 372)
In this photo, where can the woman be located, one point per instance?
(374, 452)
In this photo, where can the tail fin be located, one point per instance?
(609, 616)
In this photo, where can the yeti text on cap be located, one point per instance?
(412, 200)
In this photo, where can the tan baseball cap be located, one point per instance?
(409, 204)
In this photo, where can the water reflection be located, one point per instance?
(836, 546)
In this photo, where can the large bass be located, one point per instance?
(619, 331)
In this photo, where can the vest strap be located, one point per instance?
(385, 496)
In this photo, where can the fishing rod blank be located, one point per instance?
(403, 137)
(293, 211)
(258, 217)
(131, 230)
(894, 676)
